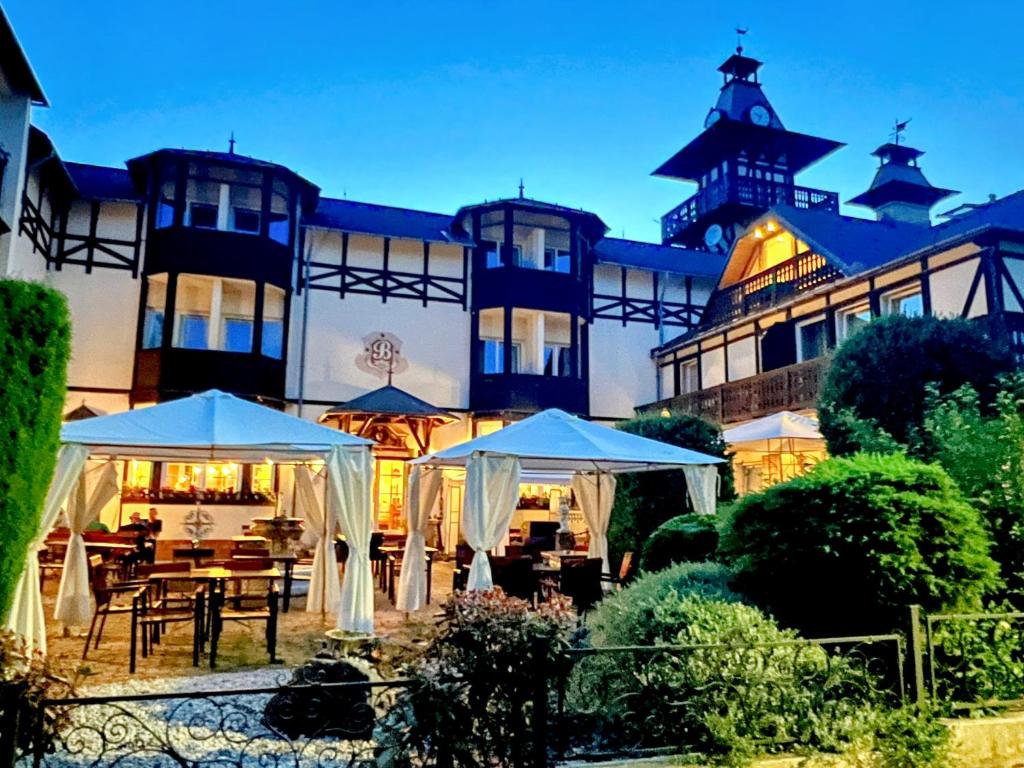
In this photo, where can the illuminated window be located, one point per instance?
(486, 426)
(223, 477)
(390, 493)
(140, 474)
(262, 478)
(183, 477)
(202, 477)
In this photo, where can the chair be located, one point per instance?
(626, 572)
(376, 556)
(105, 595)
(580, 579)
(463, 559)
(515, 576)
(195, 555)
(245, 608)
(150, 617)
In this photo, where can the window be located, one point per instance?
(262, 478)
(517, 255)
(390, 477)
(492, 355)
(214, 313)
(557, 360)
(202, 215)
(812, 340)
(225, 478)
(908, 302)
(140, 474)
(237, 334)
(192, 332)
(278, 225)
(153, 320)
(688, 378)
(851, 320)
(557, 260)
(272, 344)
(246, 220)
(492, 257)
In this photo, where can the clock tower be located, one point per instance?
(743, 162)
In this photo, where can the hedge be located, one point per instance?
(35, 336)
(687, 538)
(846, 548)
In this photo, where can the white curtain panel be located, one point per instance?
(423, 494)
(74, 598)
(702, 484)
(26, 618)
(321, 522)
(596, 495)
(349, 484)
(492, 492)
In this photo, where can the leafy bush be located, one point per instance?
(685, 539)
(984, 454)
(727, 682)
(645, 500)
(845, 548)
(25, 680)
(35, 335)
(471, 701)
(645, 612)
(880, 373)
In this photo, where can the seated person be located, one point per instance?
(145, 552)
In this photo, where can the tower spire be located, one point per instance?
(231, 144)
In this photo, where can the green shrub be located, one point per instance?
(35, 335)
(984, 454)
(880, 373)
(644, 612)
(645, 500)
(685, 539)
(470, 704)
(731, 686)
(845, 548)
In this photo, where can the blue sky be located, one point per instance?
(437, 104)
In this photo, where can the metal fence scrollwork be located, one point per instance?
(291, 726)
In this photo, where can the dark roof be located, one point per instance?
(389, 401)
(591, 224)
(98, 182)
(371, 219)
(15, 65)
(660, 258)
(1006, 213)
(727, 137)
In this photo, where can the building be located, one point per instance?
(800, 277)
(187, 270)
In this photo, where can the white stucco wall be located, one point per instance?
(622, 373)
(15, 114)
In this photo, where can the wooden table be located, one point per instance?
(288, 561)
(391, 551)
(248, 539)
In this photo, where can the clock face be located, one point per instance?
(713, 117)
(713, 236)
(759, 115)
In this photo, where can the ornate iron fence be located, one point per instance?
(971, 661)
(287, 726)
(634, 701)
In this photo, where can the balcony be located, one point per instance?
(768, 289)
(527, 392)
(784, 389)
(741, 191)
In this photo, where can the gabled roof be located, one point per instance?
(659, 258)
(15, 65)
(389, 401)
(372, 219)
(99, 182)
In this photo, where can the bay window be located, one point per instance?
(272, 344)
(214, 313)
(156, 305)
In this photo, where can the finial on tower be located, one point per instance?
(521, 188)
(898, 130)
(740, 34)
(231, 144)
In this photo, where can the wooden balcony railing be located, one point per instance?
(784, 389)
(741, 190)
(769, 288)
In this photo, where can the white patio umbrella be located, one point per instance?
(784, 430)
(554, 441)
(214, 425)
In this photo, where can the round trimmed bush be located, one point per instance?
(686, 538)
(641, 613)
(847, 547)
(880, 374)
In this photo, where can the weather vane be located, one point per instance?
(898, 129)
(740, 33)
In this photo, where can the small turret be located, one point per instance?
(900, 191)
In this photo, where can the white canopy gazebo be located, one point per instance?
(212, 425)
(774, 448)
(552, 441)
